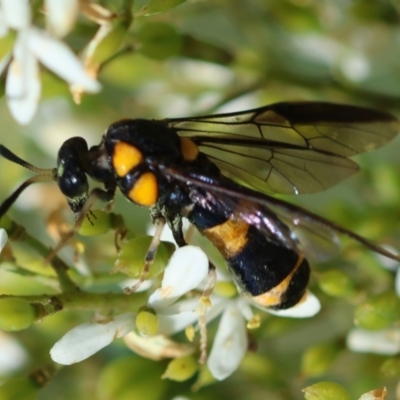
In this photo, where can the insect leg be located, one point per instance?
(95, 194)
(151, 252)
(205, 302)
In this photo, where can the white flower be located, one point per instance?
(230, 344)
(61, 16)
(32, 45)
(3, 238)
(186, 269)
(23, 85)
(12, 354)
(17, 13)
(184, 272)
(84, 340)
(385, 341)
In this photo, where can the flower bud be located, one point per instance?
(16, 314)
(378, 312)
(181, 369)
(147, 322)
(326, 391)
(336, 283)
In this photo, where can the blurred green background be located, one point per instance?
(203, 57)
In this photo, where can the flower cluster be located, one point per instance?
(187, 271)
(380, 341)
(33, 45)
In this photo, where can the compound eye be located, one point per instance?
(73, 183)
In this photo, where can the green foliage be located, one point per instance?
(336, 283)
(19, 388)
(317, 359)
(159, 40)
(170, 58)
(130, 377)
(379, 312)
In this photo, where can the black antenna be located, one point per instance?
(42, 175)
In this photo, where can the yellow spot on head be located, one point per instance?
(145, 190)
(189, 149)
(125, 157)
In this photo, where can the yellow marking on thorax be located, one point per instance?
(145, 190)
(125, 157)
(229, 237)
(274, 296)
(189, 149)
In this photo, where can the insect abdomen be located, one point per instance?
(275, 276)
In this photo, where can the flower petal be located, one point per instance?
(307, 308)
(17, 13)
(157, 347)
(386, 341)
(186, 269)
(84, 340)
(3, 24)
(170, 324)
(23, 85)
(244, 307)
(61, 16)
(230, 344)
(3, 238)
(60, 59)
(12, 354)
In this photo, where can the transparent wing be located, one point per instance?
(289, 148)
(281, 222)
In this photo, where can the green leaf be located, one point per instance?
(159, 41)
(201, 50)
(19, 388)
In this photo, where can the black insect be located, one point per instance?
(215, 171)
